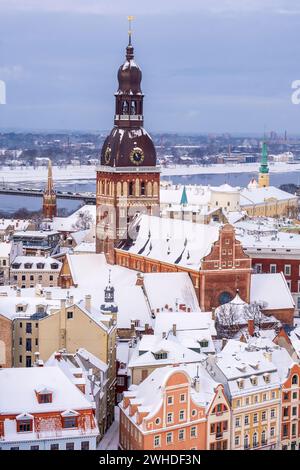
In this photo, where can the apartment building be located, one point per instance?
(28, 271)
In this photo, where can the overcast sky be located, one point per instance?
(208, 65)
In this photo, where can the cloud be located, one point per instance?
(138, 7)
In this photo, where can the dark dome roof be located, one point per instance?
(122, 142)
(129, 74)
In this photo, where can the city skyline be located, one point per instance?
(218, 68)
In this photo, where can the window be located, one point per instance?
(237, 441)
(240, 384)
(255, 418)
(273, 268)
(272, 413)
(181, 434)
(246, 441)
(193, 431)
(156, 441)
(24, 425)
(295, 379)
(28, 344)
(170, 418)
(170, 400)
(272, 432)
(44, 397)
(294, 411)
(36, 341)
(14, 448)
(237, 422)
(70, 446)
(258, 267)
(295, 395)
(157, 421)
(69, 315)
(246, 420)
(285, 430)
(34, 447)
(28, 328)
(182, 397)
(263, 437)
(253, 380)
(267, 378)
(120, 381)
(20, 359)
(181, 415)
(287, 269)
(85, 445)
(50, 277)
(294, 429)
(194, 412)
(70, 422)
(255, 442)
(285, 411)
(263, 416)
(20, 341)
(286, 396)
(169, 438)
(54, 447)
(28, 361)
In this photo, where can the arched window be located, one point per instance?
(295, 379)
(143, 188)
(133, 107)
(246, 441)
(263, 437)
(125, 107)
(224, 298)
(131, 188)
(255, 439)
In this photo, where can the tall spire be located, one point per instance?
(49, 197)
(264, 177)
(50, 186)
(129, 48)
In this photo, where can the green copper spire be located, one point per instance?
(264, 167)
(184, 199)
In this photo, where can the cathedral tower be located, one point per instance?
(264, 177)
(49, 196)
(127, 178)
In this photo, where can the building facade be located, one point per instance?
(127, 178)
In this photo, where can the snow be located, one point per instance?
(174, 241)
(5, 249)
(110, 440)
(271, 289)
(34, 260)
(170, 289)
(261, 195)
(18, 385)
(184, 321)
(66, 224)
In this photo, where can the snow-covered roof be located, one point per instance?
(144, 352)
(170, 289)
(5, 249)
(173, 241)
(148, 395)
(33, 261)
(184, 321)
(261, 195)
(18, 386)
(271, 289)
(66, 224)
(90, 273)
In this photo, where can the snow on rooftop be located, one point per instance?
(271, 289)
(18, 385)
(174, 241)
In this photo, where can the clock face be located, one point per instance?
(137, 156)
(107, 154)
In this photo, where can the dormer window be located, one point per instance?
(253, 380)
(44, 395)
(16, 265)
(28, 265)
(267, 378)
(40, 265)
(54, 266)
(203, 343)
(161, 355)
(240, 383)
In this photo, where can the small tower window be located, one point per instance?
(131, 188)
(125, 107)
(133, 107)
(143, 188)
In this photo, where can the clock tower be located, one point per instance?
(127, 178)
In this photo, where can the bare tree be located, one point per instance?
(84, 221)
(227, 321)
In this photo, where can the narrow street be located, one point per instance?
(110, 440)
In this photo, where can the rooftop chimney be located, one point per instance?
(139, 279)
(174, 329)
(48, 295)
(18, 292)
(88, 301)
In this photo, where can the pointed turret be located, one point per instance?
(109, 307)
(49, 197)
(264, 178)
(184, 199)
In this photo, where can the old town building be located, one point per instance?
(127, 178)
(28, 271)
(41, 409)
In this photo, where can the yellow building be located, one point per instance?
(252, 384)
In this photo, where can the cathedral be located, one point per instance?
(128, 179)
